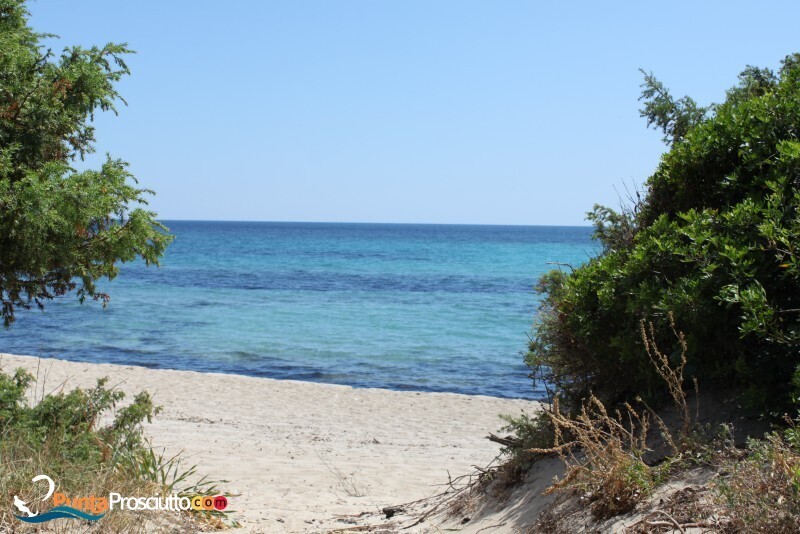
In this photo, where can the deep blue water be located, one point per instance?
(410, 307)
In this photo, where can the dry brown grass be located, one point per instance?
(19, 465)
(756, 489)
(672, 376)
(761, 492)
(603, 456)
(603, 450)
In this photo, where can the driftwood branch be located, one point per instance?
(669, 522)
(508, 441)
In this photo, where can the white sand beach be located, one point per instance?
(301, 453)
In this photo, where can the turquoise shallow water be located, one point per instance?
(413, 307)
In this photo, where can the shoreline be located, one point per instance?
(300, 453)
(213, 371)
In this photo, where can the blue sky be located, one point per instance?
(460, 111)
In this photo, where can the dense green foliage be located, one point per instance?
(61, 229)
(711, 241)
(70, 422)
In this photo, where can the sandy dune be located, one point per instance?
(300, 453)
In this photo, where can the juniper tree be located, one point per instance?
(62, 229)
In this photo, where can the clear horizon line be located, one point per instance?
(166, 219)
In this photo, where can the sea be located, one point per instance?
(412, 307)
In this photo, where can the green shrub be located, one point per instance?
(529, 432)
(69, 421)
(712, 241)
